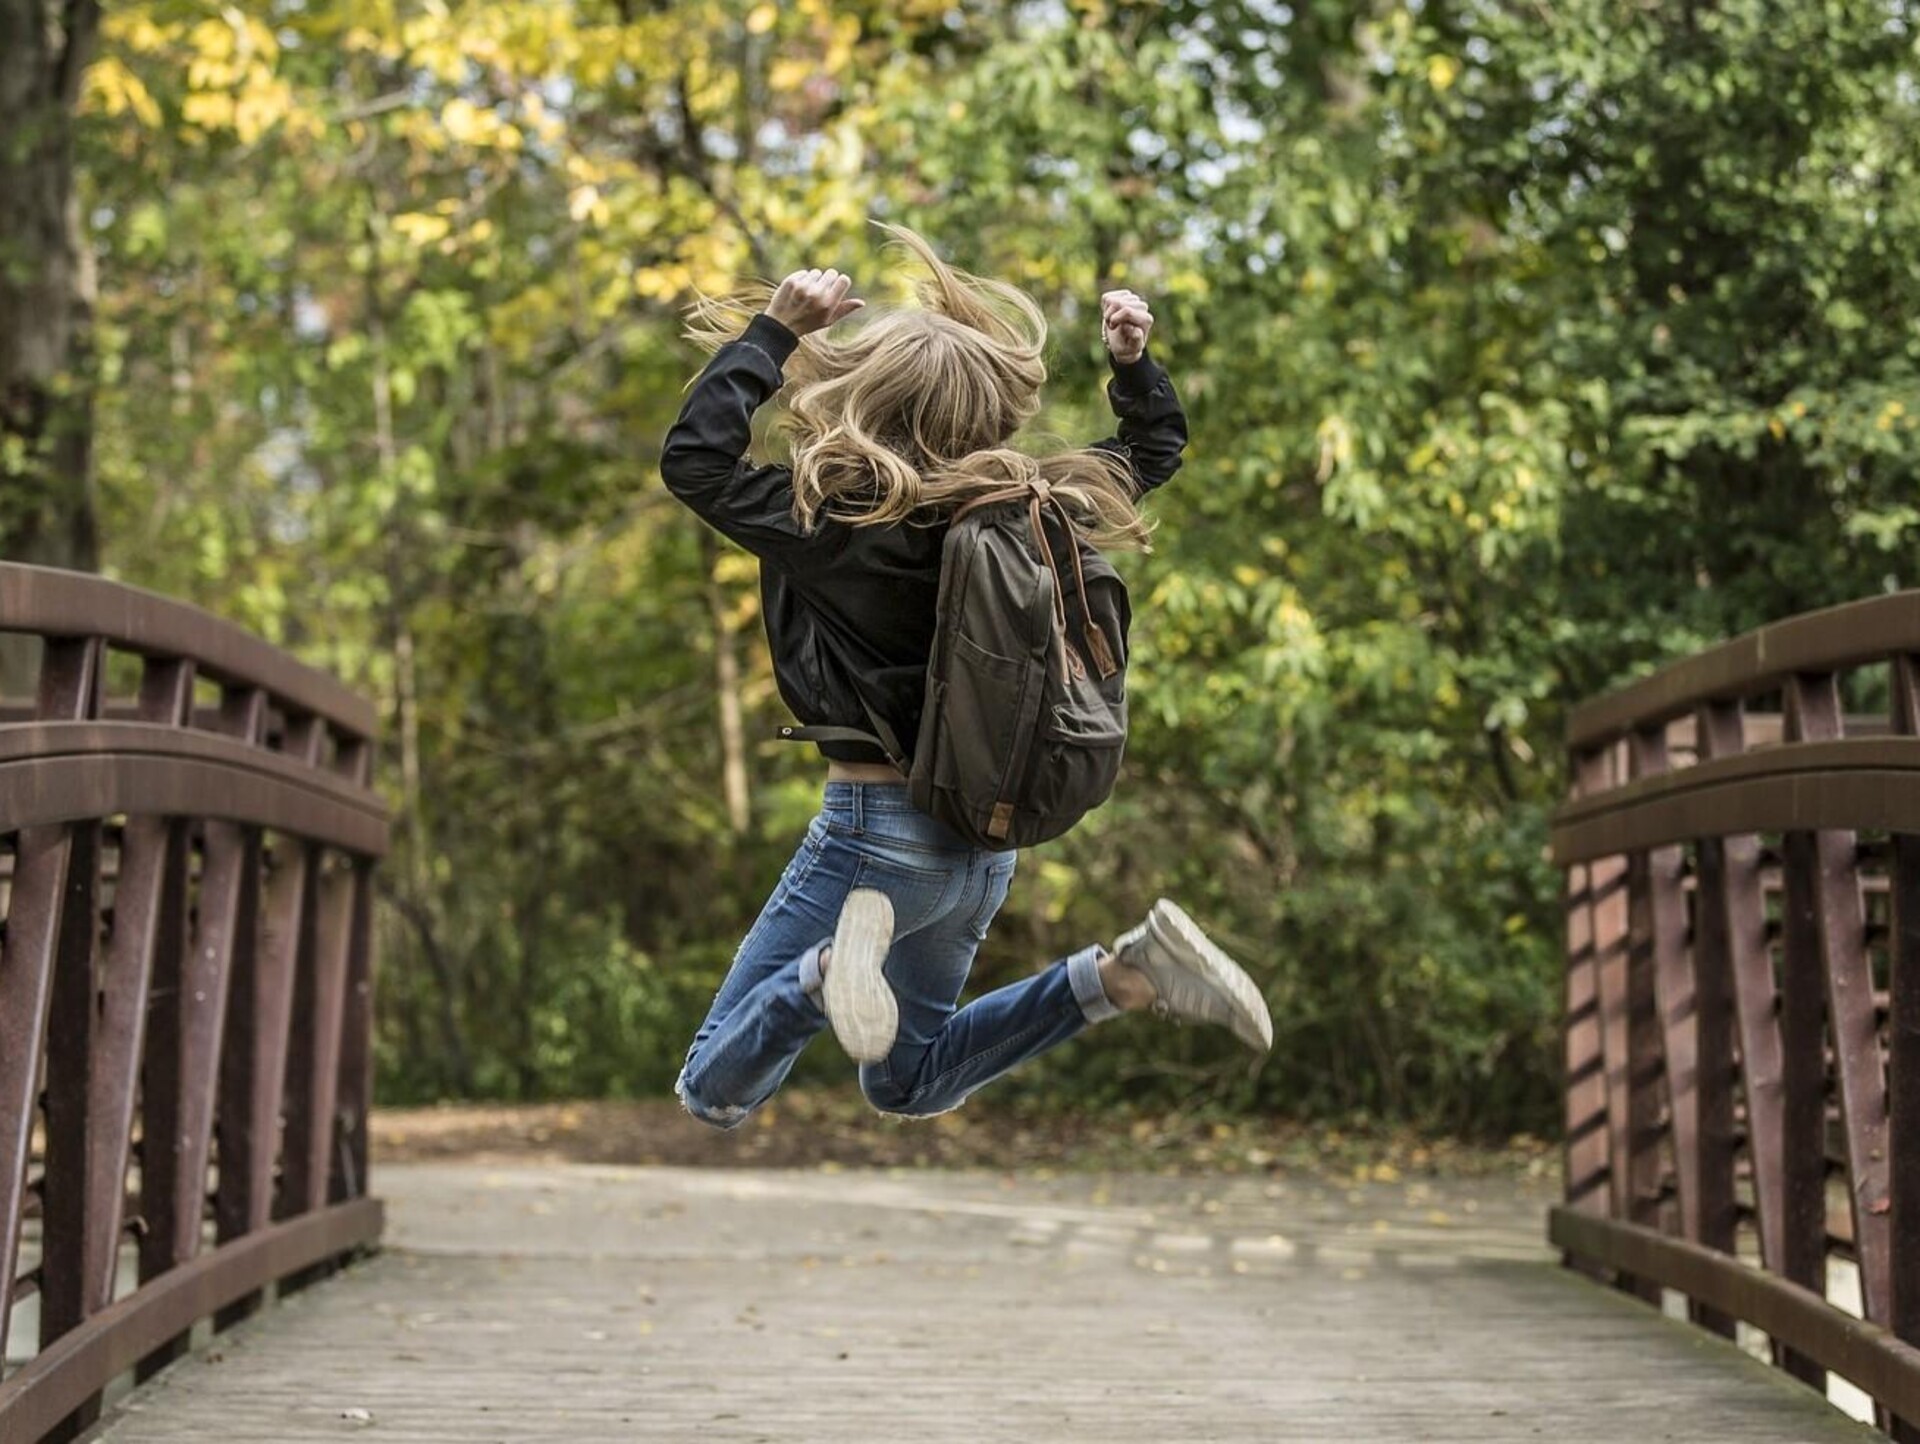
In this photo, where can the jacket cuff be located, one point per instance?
(770, 336)
(1135, 378)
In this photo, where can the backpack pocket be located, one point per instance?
(980, 707)
(1075, 764)
(1088, 726)
(977, 726)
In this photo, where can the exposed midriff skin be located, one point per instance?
(863, 772)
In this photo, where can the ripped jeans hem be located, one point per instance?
(726, 1117)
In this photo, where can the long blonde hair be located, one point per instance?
(909, 414)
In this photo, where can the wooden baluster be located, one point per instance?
(71, 1207)
(1840, 929)
(1730, 951)
(65, 1198)
(253, 1061)
(1803, 1059)
(166, 699)
(1585, 1085)
(313, 1070)
(185, 1026)
(1903, 1052)
(349, 1173)
(1659, 907)
(1715, 1213)
(1607, 884)
(314, 1059)
(1648, 924)
(50, 925)
(141, 913)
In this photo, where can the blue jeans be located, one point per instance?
(944, 894)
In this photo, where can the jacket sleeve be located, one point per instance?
(1153, 426)
(704, 463)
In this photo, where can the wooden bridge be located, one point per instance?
(187, 838)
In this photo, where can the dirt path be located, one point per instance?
(803, 1129)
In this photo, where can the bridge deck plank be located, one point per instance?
(664, 1304)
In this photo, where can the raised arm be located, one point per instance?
(703, 461)
(1153, 426)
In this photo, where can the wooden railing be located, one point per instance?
(1742, 849)
(185, 984)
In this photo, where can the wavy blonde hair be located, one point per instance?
(909, 412)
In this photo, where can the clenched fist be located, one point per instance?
(813, 300)
(1124, 324)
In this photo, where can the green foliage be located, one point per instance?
(1525, 346)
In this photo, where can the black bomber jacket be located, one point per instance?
(850, 610)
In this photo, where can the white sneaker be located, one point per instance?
(858, 999)
(1192, 979)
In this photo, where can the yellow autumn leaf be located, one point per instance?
(212, 39)
(788, 74)
(1442, 71)
(117, 90)
(585, 204)
(461, 120)
(420, 227)
(208, 109)
(1336, 445)
(260, 106)
(760, 19)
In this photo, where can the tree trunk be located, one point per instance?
(726, 680)
(46, 301)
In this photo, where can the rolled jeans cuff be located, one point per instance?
(1083, 975)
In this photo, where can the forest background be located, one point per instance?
(1525, 344)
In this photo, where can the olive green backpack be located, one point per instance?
(1025, 717)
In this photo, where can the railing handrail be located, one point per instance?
(1862, 783)
(1834, 639)
(67, 771)
(48, 602)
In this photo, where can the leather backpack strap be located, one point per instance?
(1006, 493)
(882, 736)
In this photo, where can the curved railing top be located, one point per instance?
(1832, 640)
(53, 603)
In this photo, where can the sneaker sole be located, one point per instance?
(859, 1001)
(1182, 936)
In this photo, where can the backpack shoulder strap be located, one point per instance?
(1006, 493)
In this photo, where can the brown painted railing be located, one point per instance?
(185, 984)
(1743, 991)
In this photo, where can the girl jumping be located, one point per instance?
(895, 424)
